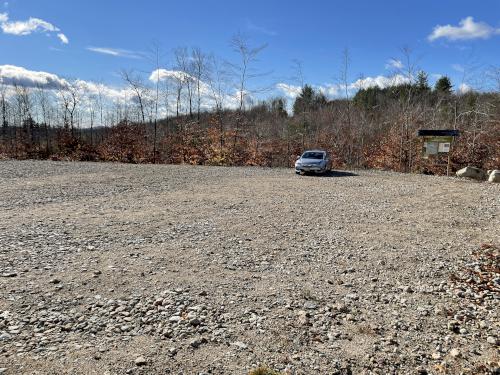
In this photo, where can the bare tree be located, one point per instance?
(345, 84)
(493, 74)
(92, 105)
(155, 57)
(44, 103)
(185, 78)
(138, 87)
(199, 71)
(344, 81)
(3, 107)
(70, 98)
(217, 80)
(243, 70)
(298, 78)
(166, 93)
(407, 71)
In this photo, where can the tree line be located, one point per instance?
(203, 111)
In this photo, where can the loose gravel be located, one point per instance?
(144, 269)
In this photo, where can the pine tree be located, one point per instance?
(422, 82)
(443, 85)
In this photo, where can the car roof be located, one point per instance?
(313, 151)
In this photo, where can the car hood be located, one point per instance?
(310, 161)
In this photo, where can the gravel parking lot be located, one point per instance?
(144, 269)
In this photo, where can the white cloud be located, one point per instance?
(230, 100)
(464, 88)
(15, 75)
(32, 25)
(63, 38)
(12, 75)
(27, 27)
(164, 74)
(110, 93)
(458, 68)
(332, 90)
(117, 52)
(337, 90)
(467, 29)
(290, 91)
(394, 64)
(380, 81)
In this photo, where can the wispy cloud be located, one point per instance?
(30, 26)
(290, 91)
(117, 52)
(63, 38)
(468, 29)
(394, 64)
(260, 29)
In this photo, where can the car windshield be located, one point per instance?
(313, 155)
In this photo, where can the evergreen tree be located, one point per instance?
(443, 85)
(304, 101)
(320, 100)
(309, 100)
(278, 106)
(422, 84)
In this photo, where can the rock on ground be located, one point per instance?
(494, 176)
(472, 172)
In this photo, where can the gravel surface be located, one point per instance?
(143, 269)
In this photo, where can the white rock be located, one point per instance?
(5, 336)
(494, 176)
(491, 340)
(436, 355)
(472, 172)
(140, 361)
(240, 345)
(311, 305)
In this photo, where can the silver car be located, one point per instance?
(317, 161)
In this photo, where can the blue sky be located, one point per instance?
(314, 32)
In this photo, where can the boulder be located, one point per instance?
(494, 176)
(472, 172)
